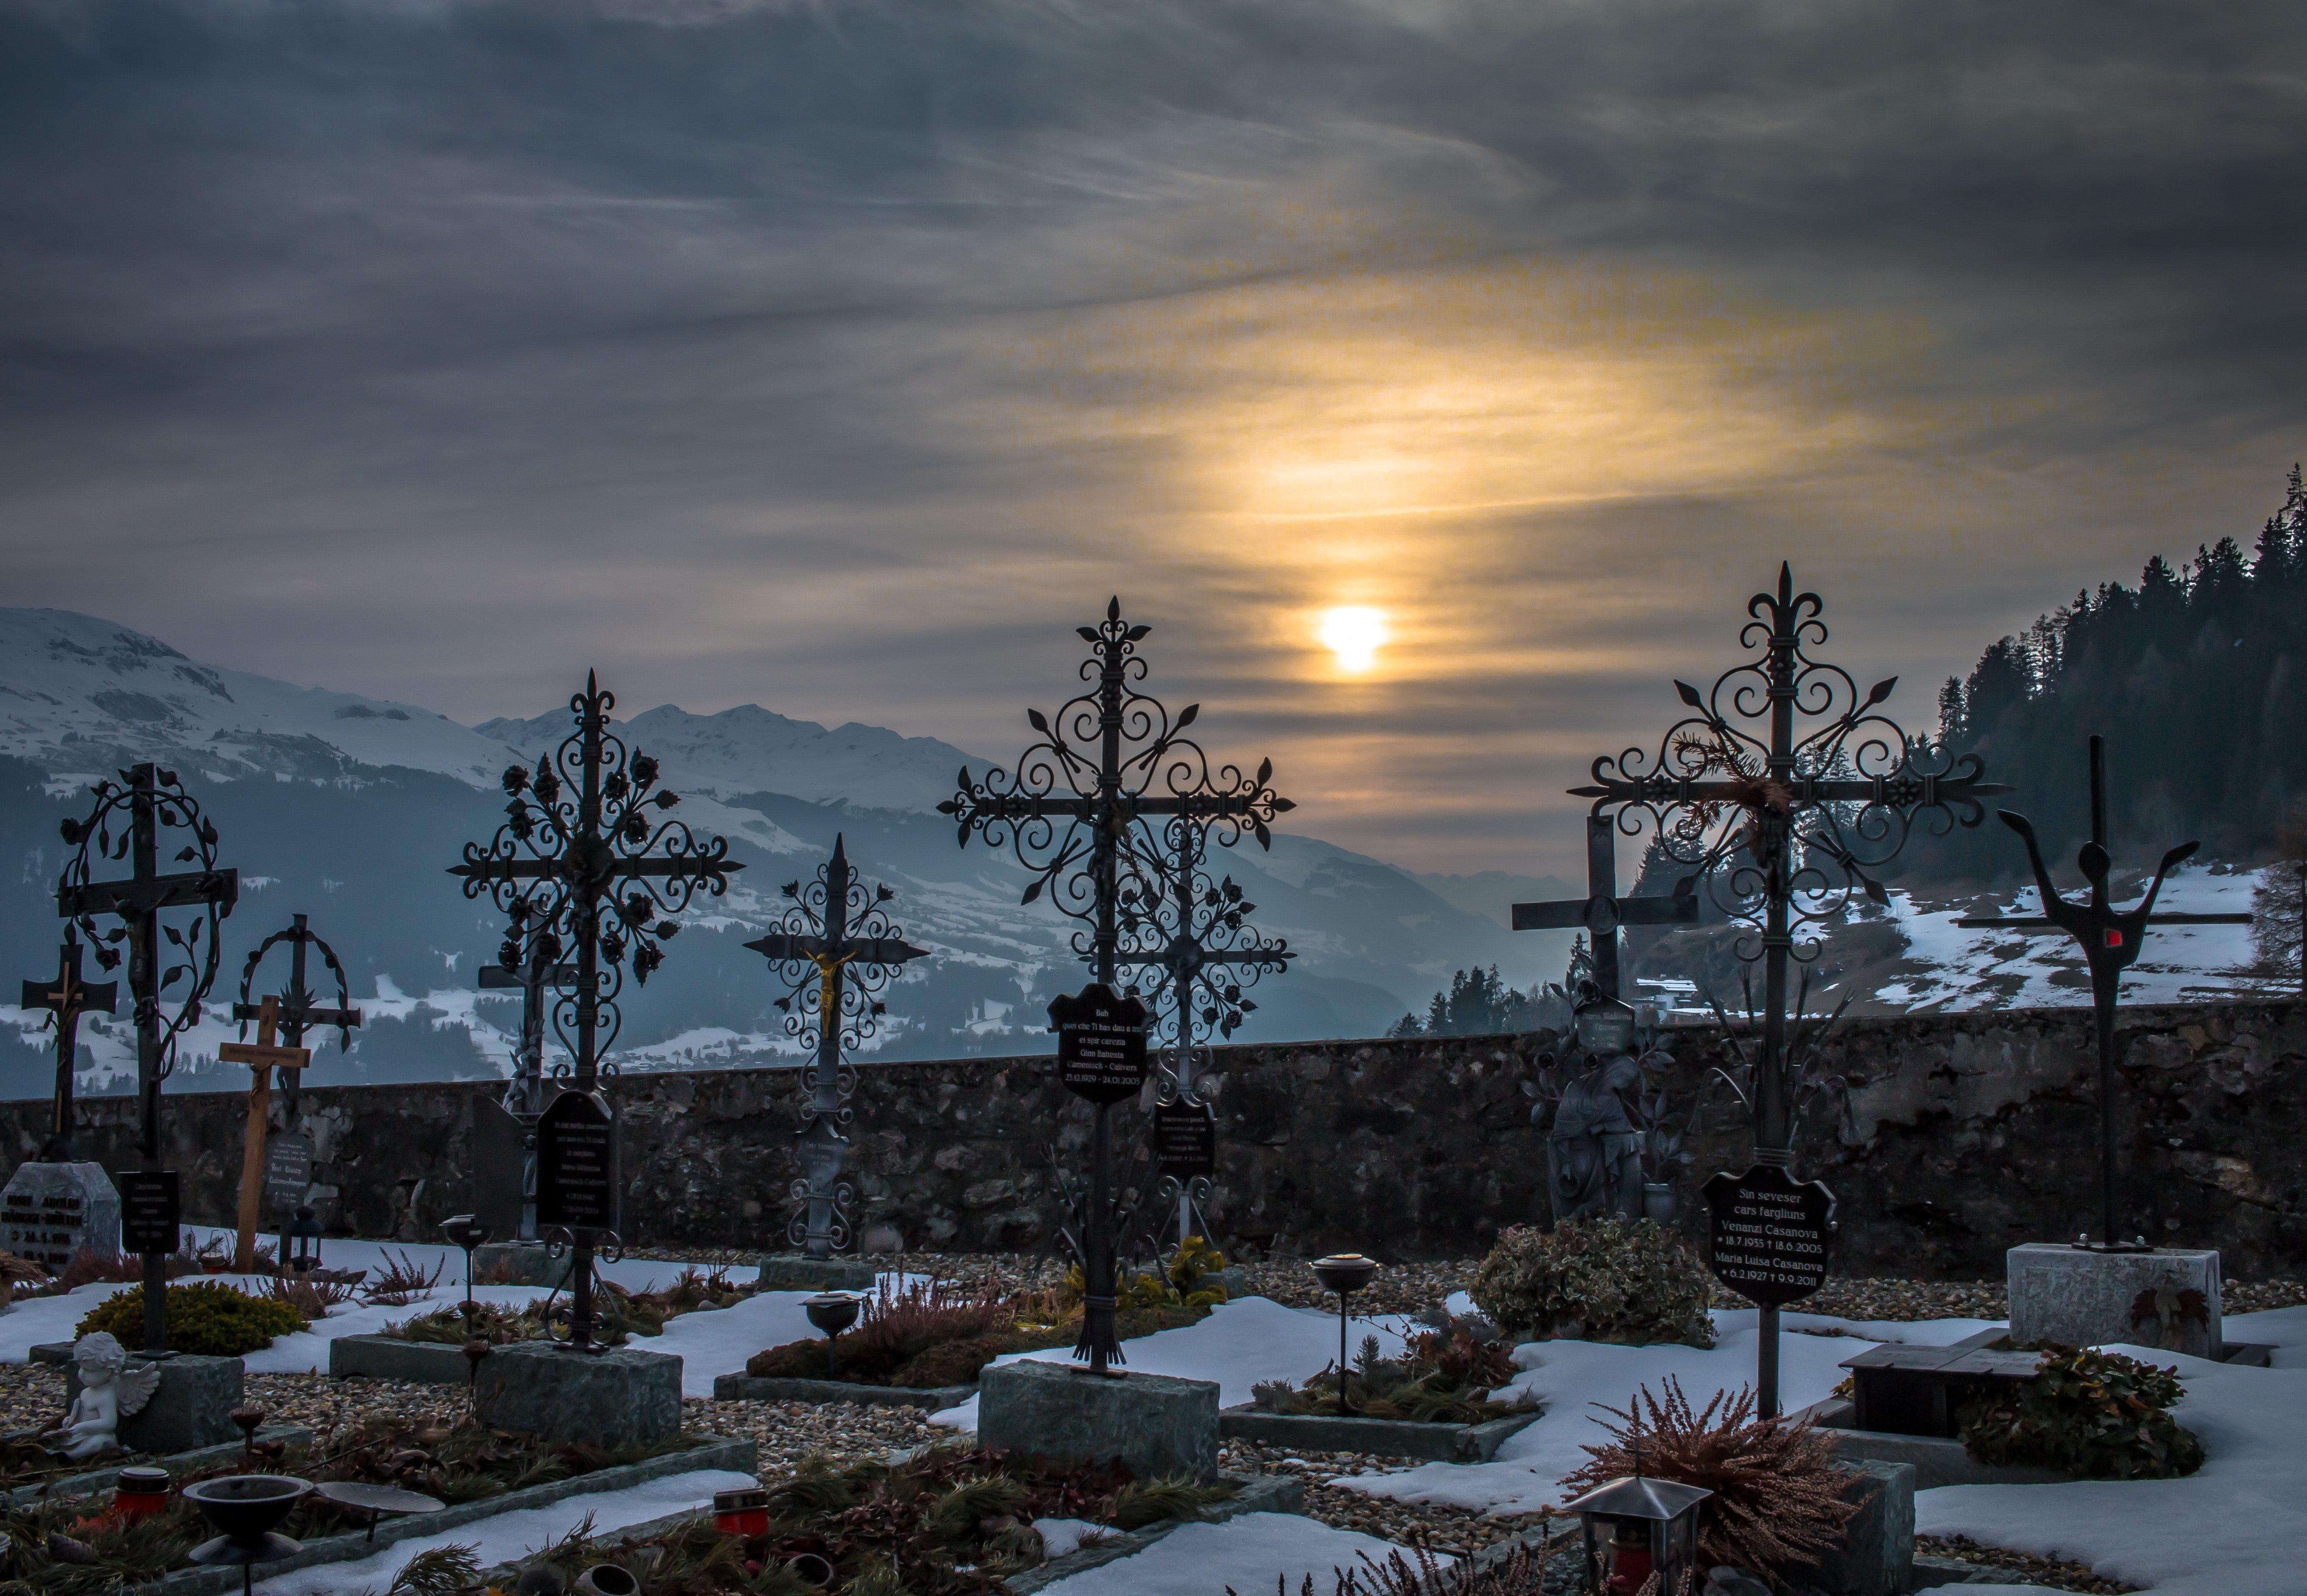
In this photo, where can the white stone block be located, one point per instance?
(2088, 1298)
(50, 1210)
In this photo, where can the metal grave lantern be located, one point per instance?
(831, 1312)
(1637, 1527)
(1343, 1273)
(1605, 1026)
(304, 1238)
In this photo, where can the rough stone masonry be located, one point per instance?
(1963, 1134)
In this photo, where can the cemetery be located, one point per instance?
(1781, 1303)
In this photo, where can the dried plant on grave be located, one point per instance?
(1600, 1278)
(1521, 1572)
(1778, 1505)
(2101, 1415)
(1444, 1376)
(311, 1296)
(437, 1571)
(89, 1267)
(402, 1282)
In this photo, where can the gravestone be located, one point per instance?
(2167, 1299)
(288, 1172)
(1155, 1424)
(616, 1398)
(191, 1408)
(50, 1210)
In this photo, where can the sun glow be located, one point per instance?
(1353, 634)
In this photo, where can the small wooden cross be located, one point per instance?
(67, 998)
(260, 1056)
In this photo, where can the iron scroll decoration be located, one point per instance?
(1108, 759)
(1801, 820)
(196, 942)
(294, 935)
(576, 829)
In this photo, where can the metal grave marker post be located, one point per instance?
(1770, 1234)
(150, 1211)
(262, 1056)
(1601, 912)
(838, 950)
(296, 1011)
(1102, 1059)
(145, 802)
(1781, 827)
(67, 997)
(1075, 805)
(2111, 939)
(577, 836)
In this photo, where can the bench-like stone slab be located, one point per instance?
(390, 1357)
(745, 1388)
(1387, 1438)
(1154, 1424)
(1936, 1460)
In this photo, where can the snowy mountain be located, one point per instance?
(350, 809)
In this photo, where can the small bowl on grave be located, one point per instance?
(376, 1502)
(831, 1312)
(606, 1579)
(245, 1507)
(1343, 1273)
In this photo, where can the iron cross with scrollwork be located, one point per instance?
(576, 834)
(296, 1011)
(1072, 810)
(1207, 956)
(146, 802)
(1783, 824)
(838, 950)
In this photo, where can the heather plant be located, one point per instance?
(2100, 1415)
(1444, 1376)
(1607, 1279)
(1778, 1505)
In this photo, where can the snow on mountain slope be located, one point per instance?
(80, 696)
(752, 749)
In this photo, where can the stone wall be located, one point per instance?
(1963, 1134)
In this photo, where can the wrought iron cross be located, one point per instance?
(297, 1011)
(1601, 912)
(2111, 939)
(838, 950)
(67, 997)
(147, 800)
(1208, 956)
(1783, 826)
(577, 833)
(1070, 816)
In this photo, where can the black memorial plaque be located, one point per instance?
(500, 1168)
(148, 1210)
(1186, 1140)
(1101, 1043)
(577, 1164)
(288, 1171)
(1769, 1234)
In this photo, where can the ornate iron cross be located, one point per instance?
(262, 1056)
(1071, 816)
(67, 997)
(2111, 939)
(576, 834)
(296, 1011)
(146, 802)
(1207, 956)
(1783, 824)
(838, 950)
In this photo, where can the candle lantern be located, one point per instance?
(831, 1312)
(140, 1492)
(744, 1511)
(1604, 1026)
(305, 1239)
(1636, 1527)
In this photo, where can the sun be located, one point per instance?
(1353, 634)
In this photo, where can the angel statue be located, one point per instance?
(109, 1392)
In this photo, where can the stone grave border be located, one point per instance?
(295, 1437)
(1389, 1438)
(744, 1387)
(719, 1451)
(390, 1357)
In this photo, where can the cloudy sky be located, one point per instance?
(844, 356)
